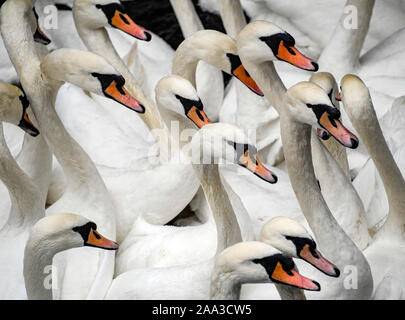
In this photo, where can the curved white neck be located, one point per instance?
(187, 57)
(341, 55)
(224, 286)
(98, 41)
(371, 135)
(27, 202)
(232, 16)
(336, 187)
(78, 167)
(187, 17)
(38, 257)
(331, 238)
(228, 230)
(267, 79)
(296, 139)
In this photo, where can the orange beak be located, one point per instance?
(338, 131)
(123, 22)
(198, 117)
(97, 240)
(296, 58)
(241, 73)
(294, 279)
(319, 262)
(119, 94)
(253, 164)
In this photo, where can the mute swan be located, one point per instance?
(328, 83)
(178, 94)
(293, 240)
(27, 202)
(86, 192)
(307, 105)
(91, 17)
(265, 126)
(209, 79)
(331, 169)
(220, 278)
(49, 236)
(386, 253)
(180, 187)
(215, 48)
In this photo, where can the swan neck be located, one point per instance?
(228, 230)
(186, 59)
(27, 203)
(296, 138)
(290, 293)
(98, 42)
(187, 17)
(75, 162)
(341, 55)
(38, 256)
(268, 81)
(371, 135)
(224, 285)
(232, 16)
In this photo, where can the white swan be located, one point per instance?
(293, 240)
(305, 105)
(308, 105)
(27, 202)
(210, 80)
(328, 83)
(386, 253)
(180, 97)
(216, 49)
(181, 186)
(52, 235)
(91, 18)
(331, 169)
(220, 278)
(86, 192)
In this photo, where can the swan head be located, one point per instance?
(328, 83)
(354, 95)
(91, 72)
(178, 95)
(13, 108)
(264, 41)
(66, 231)
(218, 142)
(219, 50)
(95, 14)
(308, 103)
(292, 239)
(257, 262)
